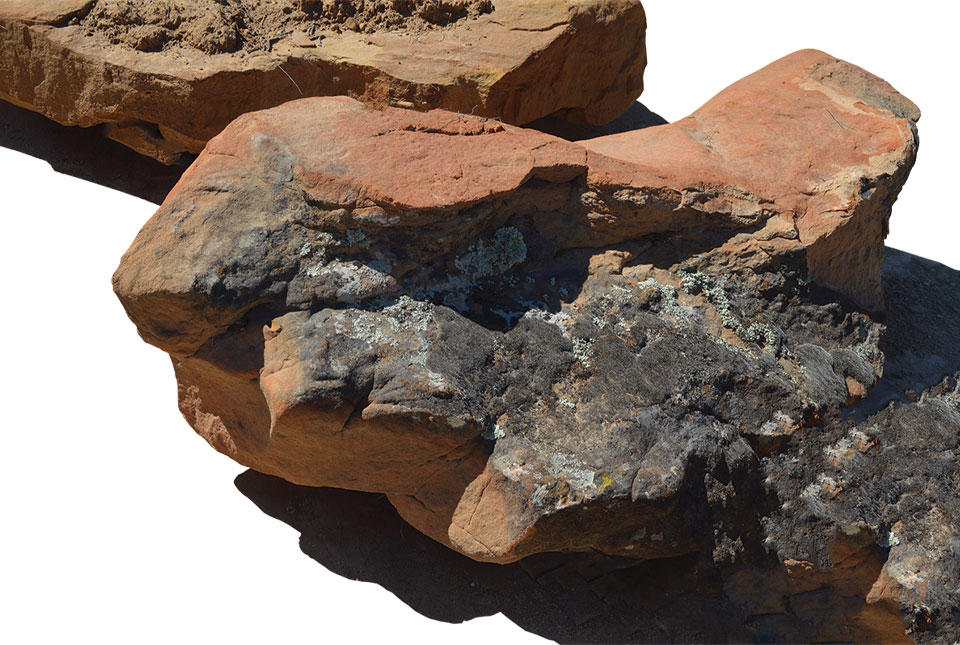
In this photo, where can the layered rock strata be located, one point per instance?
(165, 77)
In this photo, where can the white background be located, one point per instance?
(121, 526)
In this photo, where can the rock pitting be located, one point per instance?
(164, 77)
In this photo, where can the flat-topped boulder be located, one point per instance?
(165, 77)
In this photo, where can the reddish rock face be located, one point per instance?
(167, 76)
(820, 143)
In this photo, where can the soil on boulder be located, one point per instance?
(216, 27)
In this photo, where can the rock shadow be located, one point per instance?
(637, 117)
(85, 153)
(569, 598)
(922, 340)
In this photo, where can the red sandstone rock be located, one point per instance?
(640, 345)
(820, 143)
(167, 76)
(279, 273)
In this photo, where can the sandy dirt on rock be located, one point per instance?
(222, 26)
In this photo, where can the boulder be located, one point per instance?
(531, 344)
(656, 345)
(165, 77)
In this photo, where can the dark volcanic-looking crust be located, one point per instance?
(848, 595)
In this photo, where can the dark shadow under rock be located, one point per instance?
(573, 597)
(87, 154)
(923, 327)
(637, 117)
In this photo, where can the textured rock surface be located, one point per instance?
(809, 583)
(167, 76)
(650, 344)
(898, 588)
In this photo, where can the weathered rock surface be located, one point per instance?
(167, 76)
(590, 598)
(849, 592)
(649, 344)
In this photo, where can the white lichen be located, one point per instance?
(560, 320)
(713, 289)
(353, 281)
(356, 237)
(583, 350)
(496, 432)
(777, 424)
(384, 325)
(508, 316)
(494, 256)
(572, 470)
(666, 299)
(811, 495)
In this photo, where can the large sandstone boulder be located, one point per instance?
(654, 344)
(530, 344)
(168, 75)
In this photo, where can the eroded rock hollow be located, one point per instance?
(647, 344)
